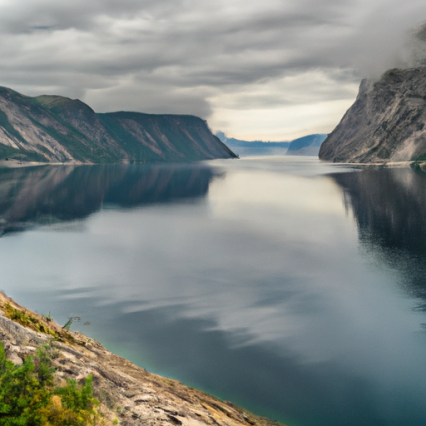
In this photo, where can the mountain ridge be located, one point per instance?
(305, 145)
(51, 128)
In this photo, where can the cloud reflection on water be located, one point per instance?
(271, 303)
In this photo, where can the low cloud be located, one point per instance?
(186, 56)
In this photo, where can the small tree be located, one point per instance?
(28, 396)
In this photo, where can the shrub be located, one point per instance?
(28, 396)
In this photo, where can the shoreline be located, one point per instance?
(17, 164)
(128, 394)
(22, 164)
(415, 165)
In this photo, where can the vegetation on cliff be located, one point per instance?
(64, 376)
(59, 129)
(29, 397)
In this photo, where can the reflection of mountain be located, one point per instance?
(390, 209)
(52, 194)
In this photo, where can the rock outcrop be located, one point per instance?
(385, 124)
(128, 394)
(59, 129)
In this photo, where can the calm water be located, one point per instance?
(294, 288)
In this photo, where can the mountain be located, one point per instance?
(59, 129)
(307, 145)
(386, 122)
(246, 148)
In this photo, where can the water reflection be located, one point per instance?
(258, 294)
(55, 194)
(390, 209)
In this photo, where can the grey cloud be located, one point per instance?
(121, 51)
(156, 98)
(78, 14)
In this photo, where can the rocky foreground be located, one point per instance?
(387, 122)
(128, 394)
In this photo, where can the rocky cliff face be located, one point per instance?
(58, 129)
(386, 122)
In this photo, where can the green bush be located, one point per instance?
(28, 396)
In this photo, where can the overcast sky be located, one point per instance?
(255, 69)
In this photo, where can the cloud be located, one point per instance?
(186, 56)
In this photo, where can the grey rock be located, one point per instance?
(125, 391)
(132, 393)
(21, 335)
(13, 356)
(143, 398)
(387, 122)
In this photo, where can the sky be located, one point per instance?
(259, 69)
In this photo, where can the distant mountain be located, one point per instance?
(387, 122)
(246, 148)
(307, 145)
(59, 129)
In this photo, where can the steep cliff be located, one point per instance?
(386, 122)
(58, 129)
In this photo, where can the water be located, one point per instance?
(293, 288)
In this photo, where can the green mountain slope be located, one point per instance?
(59, 129)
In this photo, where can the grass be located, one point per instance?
(32, 322)
(8, 152)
